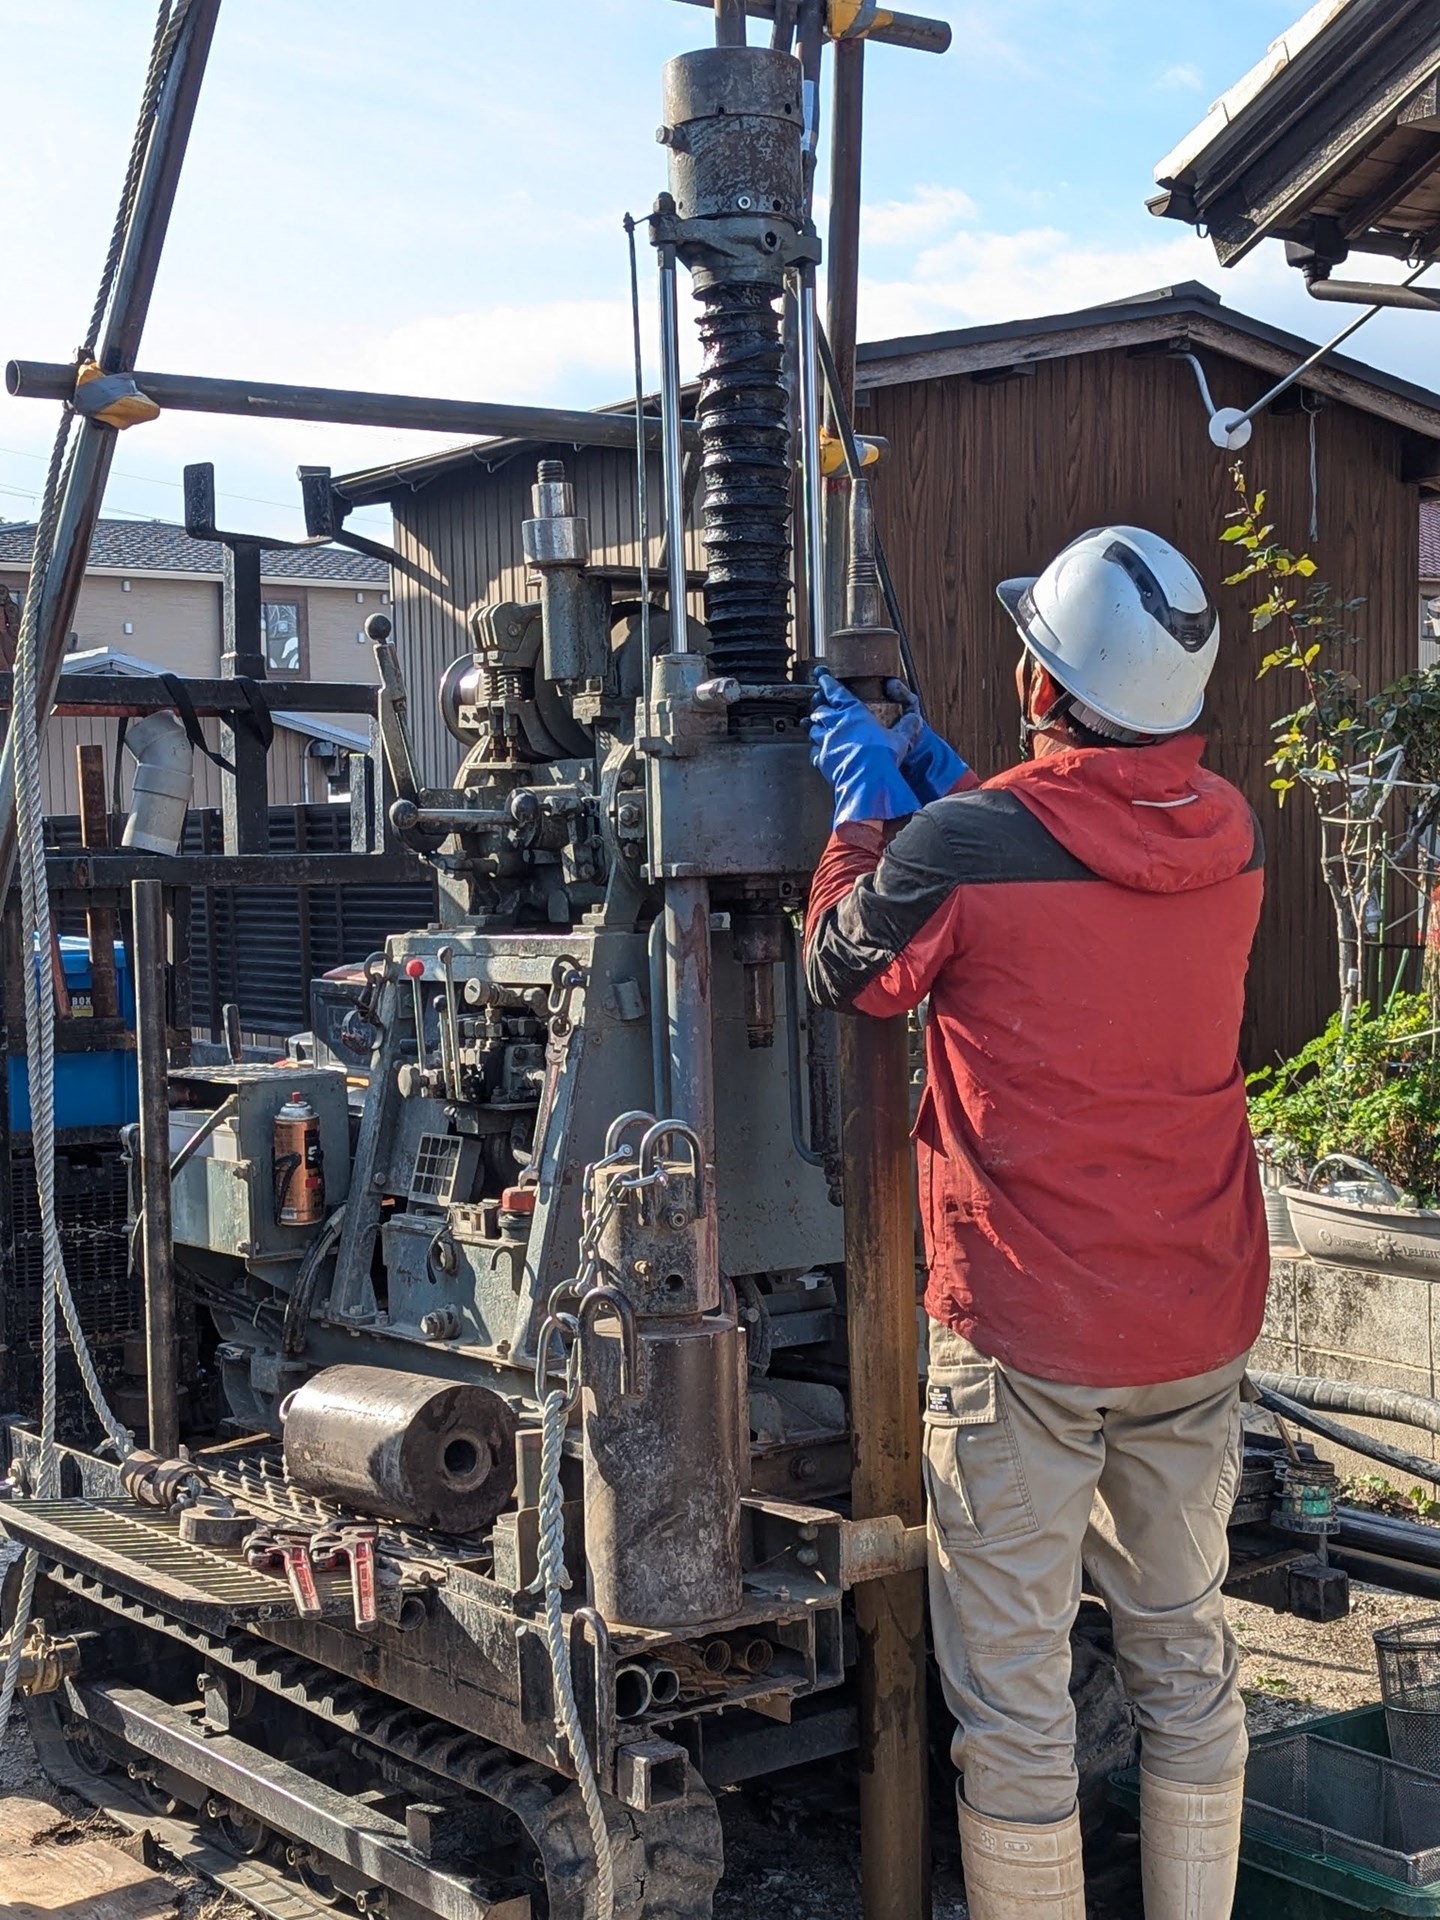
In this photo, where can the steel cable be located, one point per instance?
(37, 938)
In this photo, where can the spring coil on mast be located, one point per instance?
(742, 415)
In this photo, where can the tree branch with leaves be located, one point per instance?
(1370, 766)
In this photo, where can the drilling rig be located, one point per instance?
(514, 1536)
(523, 1516)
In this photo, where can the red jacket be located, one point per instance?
(1082, 925)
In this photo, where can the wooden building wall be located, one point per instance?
(987, 480)
(990, 478)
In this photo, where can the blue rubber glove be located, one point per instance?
(932, 765)
(860, 758)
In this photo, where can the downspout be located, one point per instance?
(163, 783)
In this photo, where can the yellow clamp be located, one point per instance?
(853, 19)
(113, 398)
(832, 453)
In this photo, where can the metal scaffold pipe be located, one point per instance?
(141, 239)
(911, 30)
(346, 407)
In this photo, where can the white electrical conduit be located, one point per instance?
(1231, 427)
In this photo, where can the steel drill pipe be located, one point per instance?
(346, 407)
(157, 1250)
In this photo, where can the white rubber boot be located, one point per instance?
(1014, 1872)
(1189, 1847)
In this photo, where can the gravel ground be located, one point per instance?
(792, 1848)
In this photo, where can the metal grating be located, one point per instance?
(1408, 1656)
(145, 1556)
(437, 1161)
(1337, 1803)
(92, 1193)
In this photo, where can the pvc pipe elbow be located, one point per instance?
(163, 783)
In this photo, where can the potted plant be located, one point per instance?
(1352, 1123)
(1347, 1129)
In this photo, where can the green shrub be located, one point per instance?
(1371, 1089)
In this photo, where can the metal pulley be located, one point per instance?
(431, 1453)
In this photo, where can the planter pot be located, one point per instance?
(1277, 1218)
(1377, 1239)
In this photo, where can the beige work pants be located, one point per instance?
(1026, 1478)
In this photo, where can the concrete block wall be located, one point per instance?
(1381, 1330)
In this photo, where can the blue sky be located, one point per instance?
(428, 199)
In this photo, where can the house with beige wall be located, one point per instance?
(151, 602)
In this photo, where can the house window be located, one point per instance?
(283, 635)
(1430, 623)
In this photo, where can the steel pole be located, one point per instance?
(813, 498)
(670, 442)
(157, 1251)
(911, 30)
(842, 257)
(351, 407)
(686, 946)
(95, 444)
(879, 1260)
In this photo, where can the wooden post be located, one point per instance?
(879, 1256)
(157, 1247)
(99, 921)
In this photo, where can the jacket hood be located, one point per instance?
(1151, 818)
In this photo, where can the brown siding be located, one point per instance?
(988, 479)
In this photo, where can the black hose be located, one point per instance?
(1348, 1396)
(1347, 1437)
(1381, 1570)
(1389, 1535)
(300, 1305)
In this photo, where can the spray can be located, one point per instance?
(299, 1165)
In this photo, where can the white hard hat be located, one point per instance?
(1121, 620)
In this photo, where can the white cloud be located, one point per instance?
(546, 351)
(929, 212)
(1184, 77)
(977, 277)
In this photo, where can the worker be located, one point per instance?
(1097, 1255)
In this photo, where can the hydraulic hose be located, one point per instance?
(1349, 1396)
(1340, 1436)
